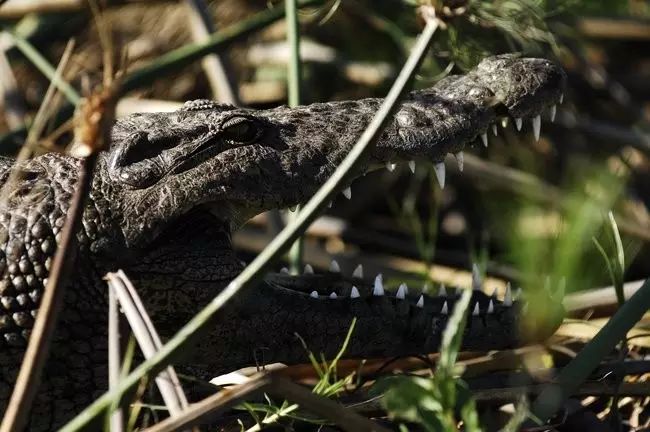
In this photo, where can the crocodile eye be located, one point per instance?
(240, 129)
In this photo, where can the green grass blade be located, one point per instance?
(253, 273)
(453, 334)
(576, 372)
(294, 80)
(187, 54)
(45, 67)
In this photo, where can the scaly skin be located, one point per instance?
(173, 186)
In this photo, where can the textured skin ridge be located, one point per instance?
(173, 186)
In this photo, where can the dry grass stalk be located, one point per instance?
(215, 66)
(11, 100)
(114, 367)
(201, 412)
(93, 118)
(148, 339)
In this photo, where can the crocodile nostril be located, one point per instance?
(500, 110)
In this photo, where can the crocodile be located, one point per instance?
(172, 187)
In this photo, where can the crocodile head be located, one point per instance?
(228, 164)
(236, 163)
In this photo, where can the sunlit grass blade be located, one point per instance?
(576, 372)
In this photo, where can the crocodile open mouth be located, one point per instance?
(418, 316)
(424, 137)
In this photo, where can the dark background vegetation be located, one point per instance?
(534, 213)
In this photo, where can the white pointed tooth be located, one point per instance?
(460, 159)
(358, 272)
(518, 123)
(537, 126)
(284, 270)
(354, 292)
(517, 295)
(442, 292)
(293, 208)
(314, 294)
(504, 122)
(494, 129)
(445, 308)
(507, 298)
(476, 278)
(412, 166)
(334, 267)
(476, 310)
(439, 169)
(333, 295)
(329, 204)
(490, 308)
(484, 139)
(552, 113)
(390, 166)
(420, 302)
(561, 97)
(347, 192)
(402, 291)
(308, 269)
(378, 288)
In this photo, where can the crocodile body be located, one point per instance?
(173, 186)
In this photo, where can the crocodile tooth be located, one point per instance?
(439, 169)
(494, 129)
(552, 113)
(537, 126)
(507, 298)
(358, 272)
(476, 310)
(460, 159)
(284, 270)
(420, 302)
(445, 308)
(329, 204)
(561, 97)
(504, 122)
(378, 289)
(484, 139)
(308, 269)
(293, 208)
(402, 291)
(314, 294)
(390, 166)
(333, 295)
(518, 123)
(334, 267)
(442, 292)
(490, 308)
(517, 295)
(412, 166)
(476, 278)
(354, 292)
(347, 192)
